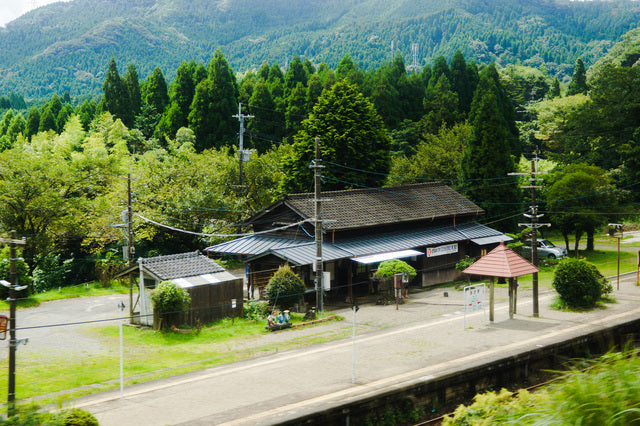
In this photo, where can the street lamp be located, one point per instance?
(615, 230)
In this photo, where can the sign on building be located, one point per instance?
(442, 250)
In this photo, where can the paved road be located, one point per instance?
(47, 329)
(424, 338)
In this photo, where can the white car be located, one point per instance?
(546, 249)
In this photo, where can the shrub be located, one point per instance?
(256, 310)
(285, 288)
(107, 266)
(50, 273)
(389, 268)
(579, 283)
(22, 270)
(75, 417)
(169, 301)
(465, 263)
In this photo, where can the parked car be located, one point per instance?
(546, 249)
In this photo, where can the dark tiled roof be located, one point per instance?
(361, 208)
(180, 265)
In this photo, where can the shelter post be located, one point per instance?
(491, 298)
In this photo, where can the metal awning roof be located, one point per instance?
(374, 258)
(303, 252)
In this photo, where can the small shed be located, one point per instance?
(212, 288)
(504, 263)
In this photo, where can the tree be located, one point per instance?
(116, 97)
(437, 156)
(263, 126)
(33, 122)
(155, 91)
(439, 69)
(351, 134)
(296, 109)
(578, 82)
(295, 75)
(488, 156)
(578, 198)
(182, 92)
(214, 104)
(389, 268)
(441, 106)
(131, 83)
(460, 82)
(554, 91)
(505, 108)
(285, 288)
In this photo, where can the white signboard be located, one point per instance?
(442, 250)
(474, 296)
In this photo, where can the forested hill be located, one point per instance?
(67, 46)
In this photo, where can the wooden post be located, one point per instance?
(491, 298)
(510, 298)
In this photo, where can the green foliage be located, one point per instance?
(285, 288)
(169, 301)
(489, 152)
(50, 273)
(578, 283)
(465, 263)
(256, 310)
(351, 132)
(22, 270)
(605, 394)
(578, 82)
(389, 268)
(75, 417)
(580, 196)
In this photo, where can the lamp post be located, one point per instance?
(615, 230)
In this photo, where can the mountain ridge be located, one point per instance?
(67, 46)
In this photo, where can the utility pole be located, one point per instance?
(317, 167)
(13, 342)
(240, 116)
(534, 225)
(130, 247)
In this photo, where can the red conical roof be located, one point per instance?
(501, 262)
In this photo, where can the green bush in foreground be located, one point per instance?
(29, 415)
(606, 394)
(579, 283)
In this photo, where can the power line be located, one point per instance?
(219, 234)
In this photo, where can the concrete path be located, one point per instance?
(423, 338)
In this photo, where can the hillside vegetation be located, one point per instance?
(67, 46)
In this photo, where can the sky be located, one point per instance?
(11, 9)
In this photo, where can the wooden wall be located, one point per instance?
(213, 302)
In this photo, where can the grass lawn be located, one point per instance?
(148, 355)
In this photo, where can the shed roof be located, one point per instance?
(180, 265)
(501, 262)
(366, 207)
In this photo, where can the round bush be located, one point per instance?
(389, 268)
(169, 300)
(76, 417)
(285, 288)
(579, 283)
